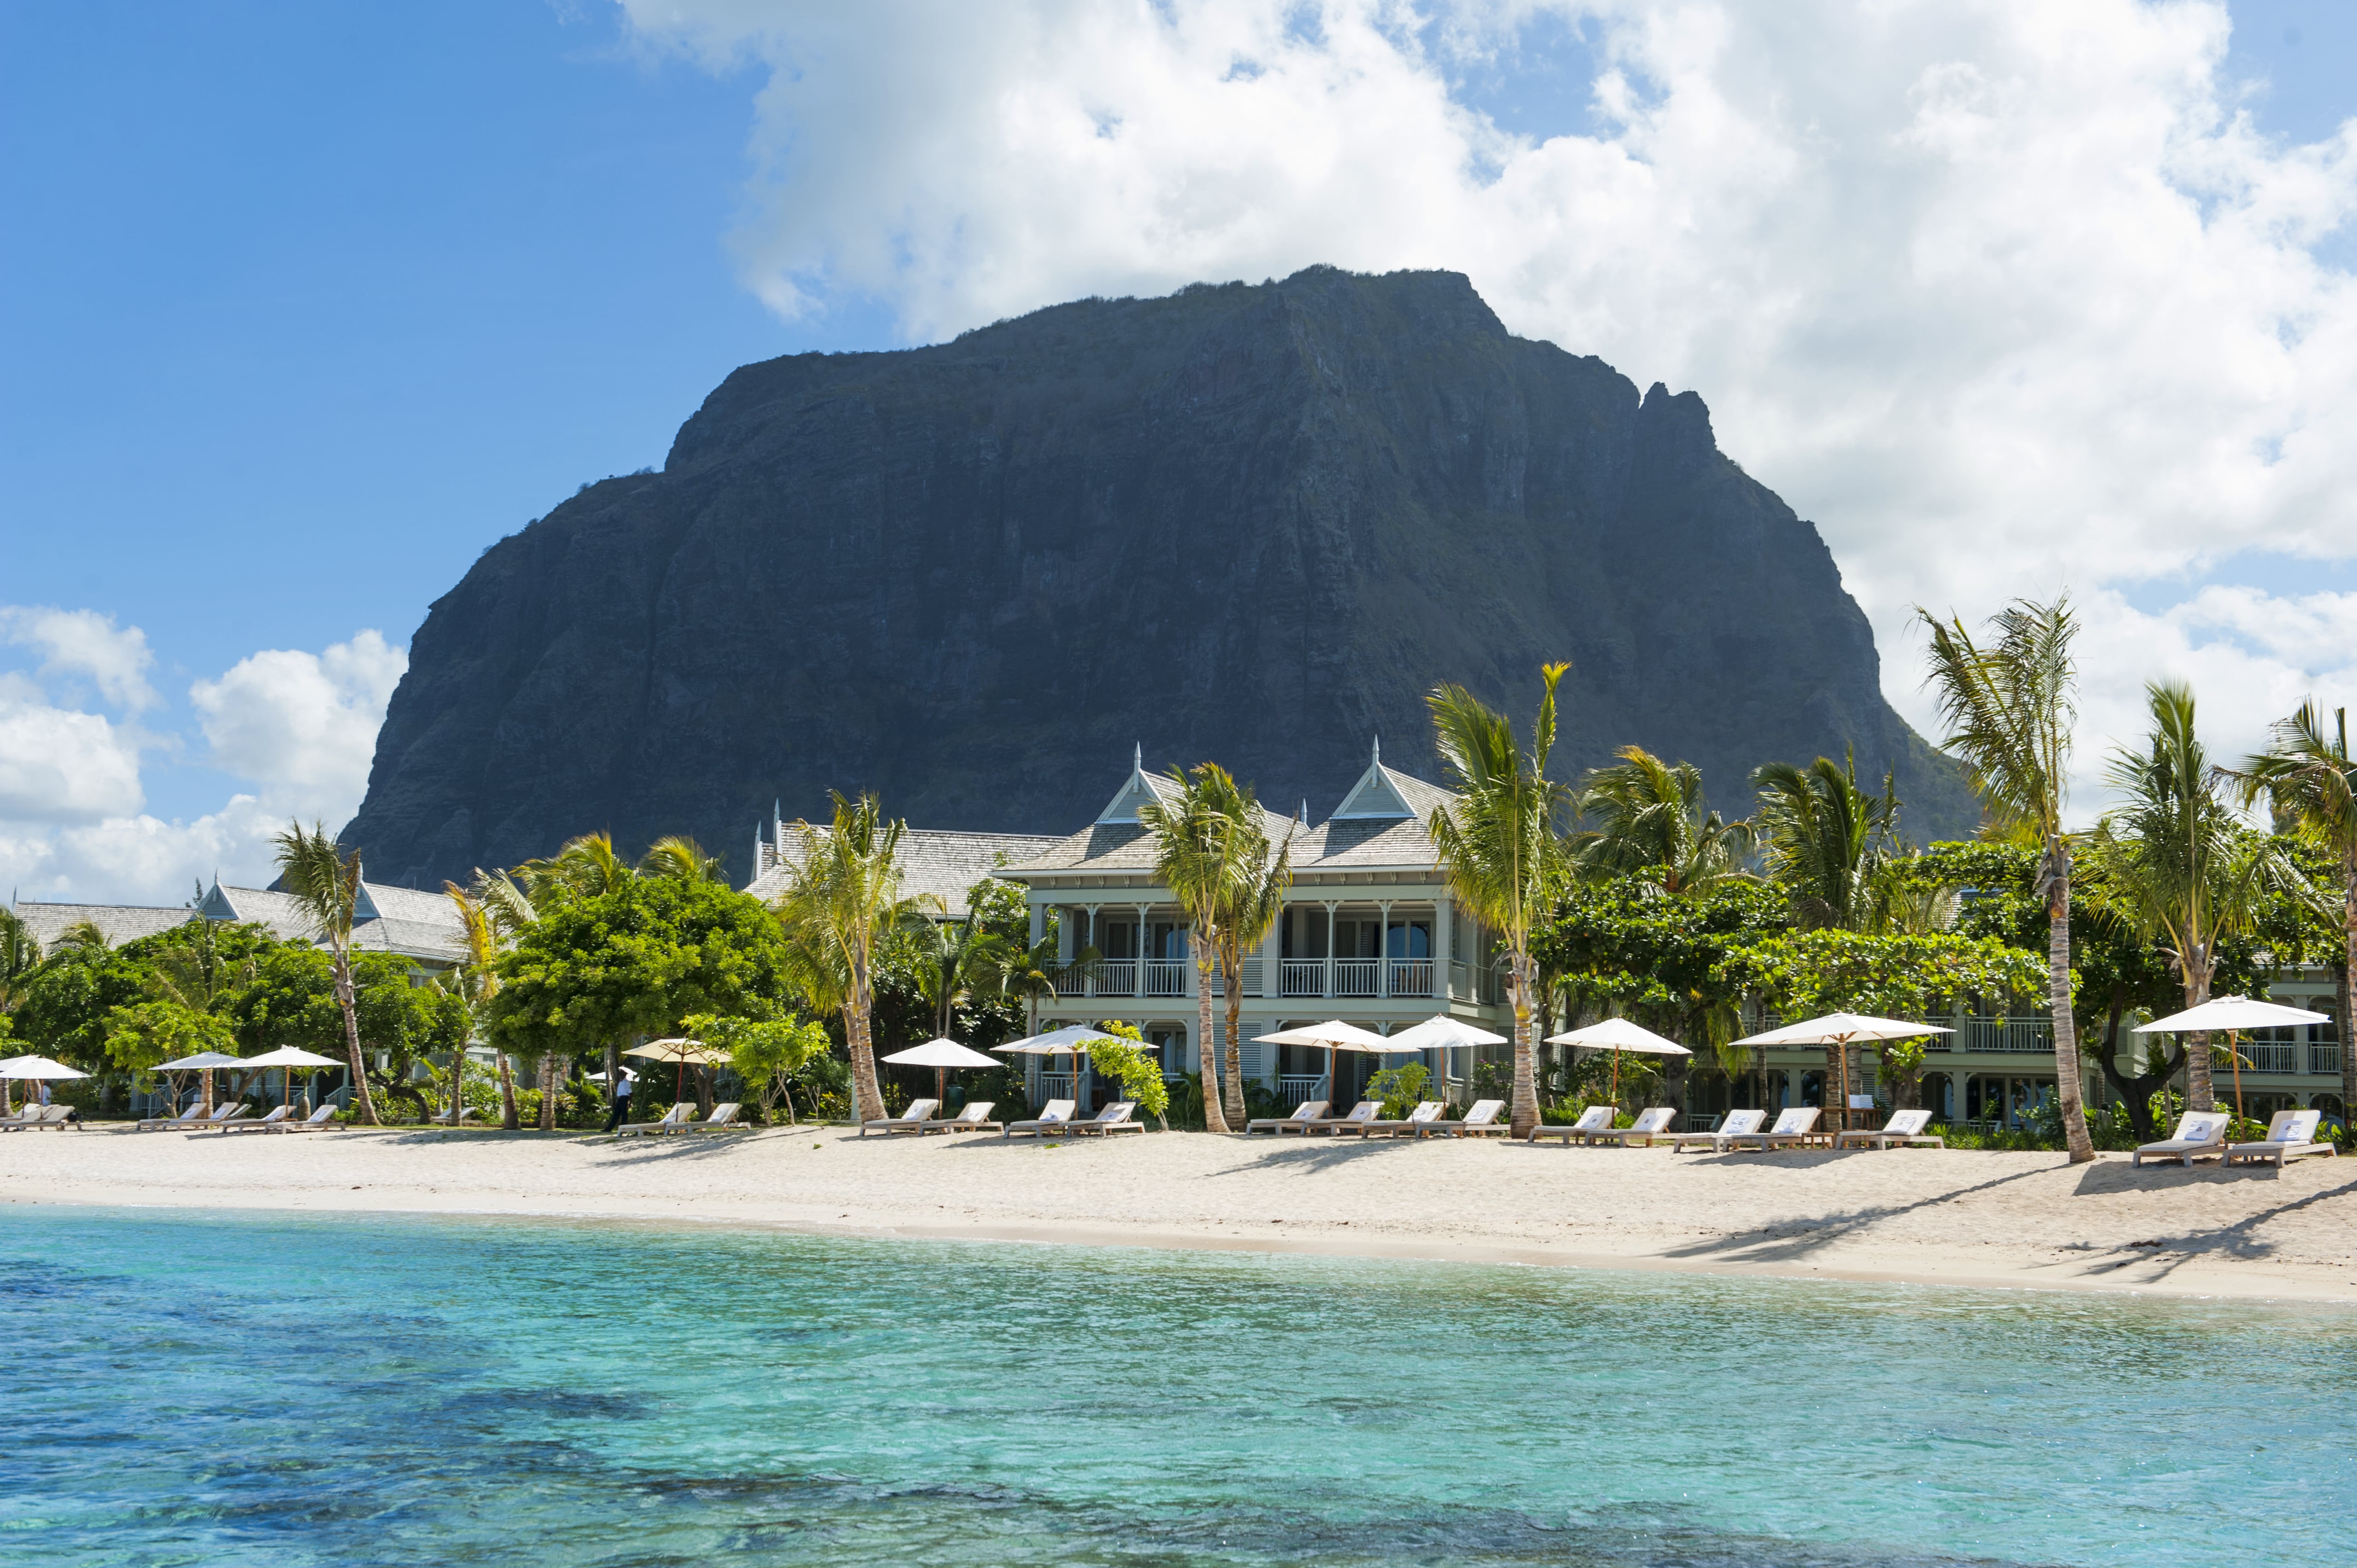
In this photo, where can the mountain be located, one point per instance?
(1256, 524)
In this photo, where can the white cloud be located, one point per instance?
(304, 723)
(2004, 295)
(298, 728)
(85, 643)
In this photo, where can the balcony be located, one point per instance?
(2016, 1036)
(2324, 1060)
(1116, 977)
(1357, 976)
(1295, 1087)
(2271, 1056)
(1164, 977)
(1411, 976)
(1303, 976)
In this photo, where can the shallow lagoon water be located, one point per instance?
(282, 1390)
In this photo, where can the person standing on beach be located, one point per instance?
(620, 1099)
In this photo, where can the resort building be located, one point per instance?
(420, 926)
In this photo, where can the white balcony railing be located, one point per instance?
(1165, 977)
(1411, 976)
(1305, 976)
(2324, 1060)
(1295, 1087)
(1117, 977)
(1356, 976)
(1460, 979)
(1070, 979)
(1998, 1036)
(1054, 1086)
(2271, 1056)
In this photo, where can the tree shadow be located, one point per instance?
(1798, 1238)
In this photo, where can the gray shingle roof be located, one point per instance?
(938, 861)
(120, 922)
(406, 921)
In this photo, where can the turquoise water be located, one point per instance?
(285, 1390)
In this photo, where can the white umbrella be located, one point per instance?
(287, 1058)
(2233, 1013)
(1444, 1034)
(1335, 1035)
(940, 1055)
(1619, 1035)
(1071, 1037)
(1840, 1029)
(38, 1067)
(679, 1051)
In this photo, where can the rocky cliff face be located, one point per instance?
(1256, 524)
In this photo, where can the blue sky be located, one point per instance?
(305, 304)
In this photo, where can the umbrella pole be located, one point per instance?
(940, 1088)
(2235, 1049)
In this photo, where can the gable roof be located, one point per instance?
(400, 920)
(120, 923)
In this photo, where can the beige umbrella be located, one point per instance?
(204, 1062)
(2233, 1013)
(1072, 1040)
(30, 1069)
(1619, 1035)
(679, 1051)
(940, 1055)
(1335, 1035)
(1840, 1029)
(1444, 1034)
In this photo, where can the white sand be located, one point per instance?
(1952, 1217)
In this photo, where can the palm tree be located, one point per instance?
(325, 884)
(1194, 857)
(2310, 780)
(584, 868)
(1651, 818)
(504, 908)
(959, 962)
(475, 981)
(2010, 709)
(80, 934)
(1497, 841)
(1825, 840)
(2190, 874)
(1251, 902)
(20, 954)
(683, 858)
(842, 900)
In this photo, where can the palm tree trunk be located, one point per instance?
(1833, 1098)
(2066, 1024)
(856, 1029)
(2199, 1094)
(2348, 967)
(1525, 1114)
(548, 1091)
(1232, 1081)
(343, 972)
(1215, 1121)
(509, 1121)
(457, 1081)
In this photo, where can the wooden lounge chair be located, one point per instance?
(1594, 1119)
(2290, 1134)
(1411, 1125)
(323, 1115)
(677, 1119)
(27, 1115)
(1114, 1118)
(1651, 1122)
(1794, 1126)
(1056, 1116)
(39, 1116)
(912, 1120)
(1736, 1124)
(1359, 1116)
(2201, 1134)
(232, 1110)
(1904, 1131)
(1480, 1122)
(974, 1117)
(1306, 1113)
(723, 1119)
(186, 1118)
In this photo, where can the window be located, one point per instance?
(1410, 939)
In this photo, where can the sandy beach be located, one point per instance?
(1960, 1218)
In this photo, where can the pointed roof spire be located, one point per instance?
(1137, 757)
(1305, 811)
(1377, 758)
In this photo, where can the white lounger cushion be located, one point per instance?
(1483, 1112)
(2199, 1127)
(1906, 1123)
(1741, 1121)
(1594, 1119)
(1794, 1121)
(1655, 1119)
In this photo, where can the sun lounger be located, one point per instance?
(1735, 1125)
(974, 1117)
(675, 1120)
(278, 1115)
(28, 1115)
(1594, 1119)
(1114, 1118)
(1412, 1125)
(912, 1120)
(322, 1116)
(282, 1119)
(1306, 1113)
(1904, 1131)
(1794, 1126)
(2290, 1134)
(186, 1118)
(235, 1110)
(1651, 1122)
(1359, 1116)
(39, 1116)
(2200, 1134)
(1056, 1116)
(723, 1118)
(1480, 1122)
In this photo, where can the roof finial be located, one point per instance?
(1305, 811)
(1137, 757)
(1378, 757)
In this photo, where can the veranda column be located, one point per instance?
(1329, 948)
(1444, 948)
(1383, 955)
(1139, 991)
(1092, 984)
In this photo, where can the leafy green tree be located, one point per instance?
(20, 954)
(68, 997)
(1195, 855)
(1498, 845)
(633, 960)
(2010, 710)
(1124, 1060)
(681, 857)
(765, 1052)
(1652, 819)
(2310, 780)
(142, 1036)
(2186, 870)
(325, 885)
(294, 1000)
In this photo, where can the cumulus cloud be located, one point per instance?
(84, 644)
(304, 723)
(297, 729)
(2006, 296)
